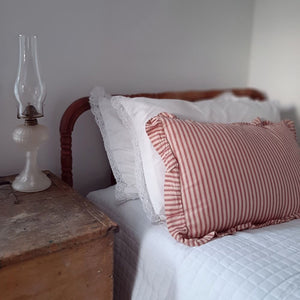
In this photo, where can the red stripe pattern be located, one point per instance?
(221, 178)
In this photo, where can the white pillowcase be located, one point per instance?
(117, 143)
(150, 170)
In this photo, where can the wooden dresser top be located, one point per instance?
(33, 224)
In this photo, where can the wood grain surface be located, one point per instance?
(54, 245)
(48, 221)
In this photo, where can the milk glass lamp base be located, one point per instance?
(31, 179)
(31, 182)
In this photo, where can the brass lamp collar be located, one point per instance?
(31, 122)
(30, 114)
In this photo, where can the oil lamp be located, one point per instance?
(30, 93)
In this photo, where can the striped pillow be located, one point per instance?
(226, 177)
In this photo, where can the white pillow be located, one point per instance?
(150, 170)
(117, 143)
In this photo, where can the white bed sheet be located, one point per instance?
(149, 264)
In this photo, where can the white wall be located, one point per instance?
(275, 53)
(124, 45)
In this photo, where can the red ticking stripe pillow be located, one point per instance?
(226, 177)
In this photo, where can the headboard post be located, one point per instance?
(67, 122)
(66, 158)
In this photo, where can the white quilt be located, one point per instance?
(150, 265)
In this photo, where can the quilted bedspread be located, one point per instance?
(150, 265)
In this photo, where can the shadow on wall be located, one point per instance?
(291, 114)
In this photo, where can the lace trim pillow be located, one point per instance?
(149, 168)
(117, 144)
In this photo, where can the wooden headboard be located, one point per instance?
(81, 105)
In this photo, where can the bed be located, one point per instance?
(153, 259)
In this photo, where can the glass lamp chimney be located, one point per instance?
(29, 89)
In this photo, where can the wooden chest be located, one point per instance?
(54, 245)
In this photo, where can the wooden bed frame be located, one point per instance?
(81, 105)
